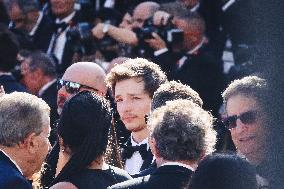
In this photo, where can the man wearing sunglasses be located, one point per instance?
(244, 101)
(79, 77)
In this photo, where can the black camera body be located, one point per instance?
(81, 38)
(169, 33)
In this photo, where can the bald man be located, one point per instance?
(78, 77)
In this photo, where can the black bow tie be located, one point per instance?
(61, 25)
(129, 150)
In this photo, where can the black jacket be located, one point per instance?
(166, 177)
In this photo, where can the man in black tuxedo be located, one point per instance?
(190, 61)
(33, 29)
(133, 84)
(181, 134)
(62, 46)
(39, 76)
(24, 143)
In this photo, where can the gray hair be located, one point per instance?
(43, 62)
(183, 131)
(174, 90)
(20, 115)
(24, 5)
(250, 86)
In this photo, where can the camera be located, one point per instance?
(169, 33)
(81, 38)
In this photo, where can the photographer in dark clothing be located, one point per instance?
(189, 60)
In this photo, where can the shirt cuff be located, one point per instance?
(160, 51)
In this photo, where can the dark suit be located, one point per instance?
(49, 96)
(43, 34)
(69, 49)
(201, 71)
(166, 177)
(10, 84)
(10, 176)
(148, 171)
(148, 160)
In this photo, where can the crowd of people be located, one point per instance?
(133, 94)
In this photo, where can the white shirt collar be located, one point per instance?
(178, 164)
(197, 46)
(32, 32)
(67, 19)
(5, 73)
(12, 161)
(193, 9)
(145, 141)
(44, 87)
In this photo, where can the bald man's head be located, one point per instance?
(88, 75)
(143, 11)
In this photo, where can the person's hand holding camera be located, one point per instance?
(156, 42)
(161, 18)
(98, 31)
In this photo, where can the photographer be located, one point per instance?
(189, 59)
(141, 13)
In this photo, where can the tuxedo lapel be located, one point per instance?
(147, 162)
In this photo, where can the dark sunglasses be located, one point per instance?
(248, 117)
(72, 87)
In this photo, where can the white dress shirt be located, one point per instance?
(133, 164)
(61, 39)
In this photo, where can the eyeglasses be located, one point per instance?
(72, 87)
(248, 117)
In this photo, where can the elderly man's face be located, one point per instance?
(140, 14)
(30, 79)
(249, 138)
(62, 8)
(43, 144)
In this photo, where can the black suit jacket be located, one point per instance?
(10, 84)
(50, 97)
(10, 176)
(201, 71)
(165, 177)
(146, 163)
(43, 34)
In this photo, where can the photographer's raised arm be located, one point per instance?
(119, 34)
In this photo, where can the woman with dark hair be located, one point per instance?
(83, 136)
(224, 171)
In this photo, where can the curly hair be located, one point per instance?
(173, 91)
(151, 74)
(84, 125)
(182, 131)
(250, 86)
